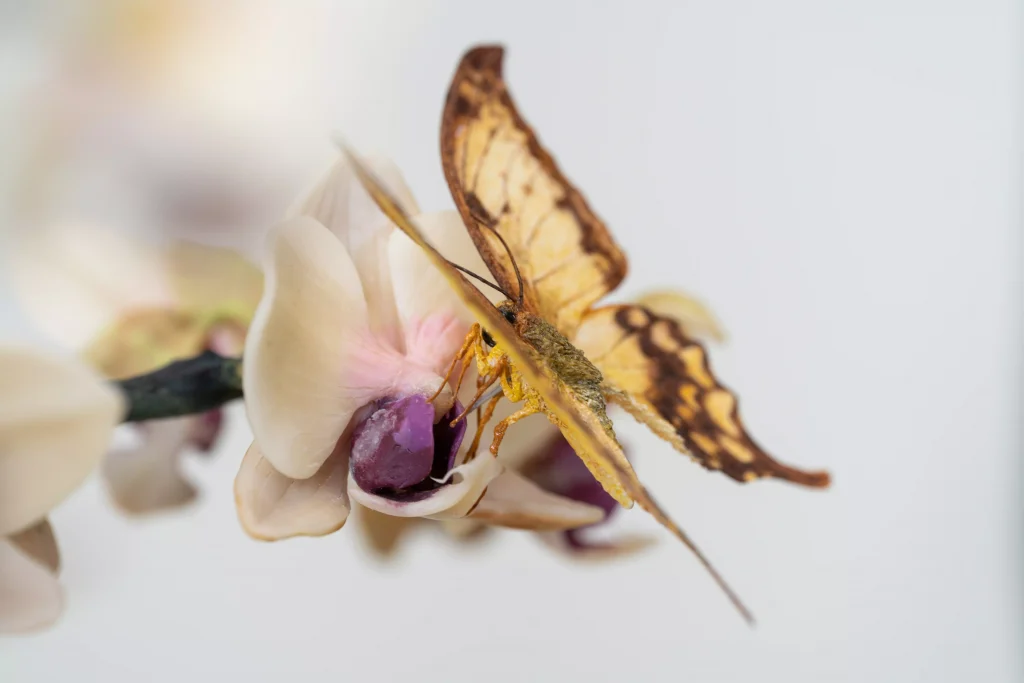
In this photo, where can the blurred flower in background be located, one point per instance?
(56, 421)
(154, 128)
(190, 116)
(130, 307)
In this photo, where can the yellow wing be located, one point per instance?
(500, 176)
(662, 377)
(599, 451)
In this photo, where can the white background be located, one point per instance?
(841, 182)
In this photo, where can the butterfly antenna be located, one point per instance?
(515, 266)
(484, 280)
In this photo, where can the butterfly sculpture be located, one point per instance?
(547, 345)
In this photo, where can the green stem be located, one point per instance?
(185, 387)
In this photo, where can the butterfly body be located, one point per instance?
(570, 367)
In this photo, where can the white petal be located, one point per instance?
(75, 280)
(420, 288)
(341, 204)
(467, 484)
(696, 319)
(30, 595)
(513, 501)
(308, 338)
(272, 507)
(146, 477)
(56, 421)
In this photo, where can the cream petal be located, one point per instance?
(341, 204)
(74, 280)
(466, 484)
(146, 477)
(513, 501)
(696, 319)
(420, 288)
(214, 280)
(272, 507)
(307, 339)
(30, 595)
(56, 421)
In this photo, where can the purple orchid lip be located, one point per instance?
(398, 452)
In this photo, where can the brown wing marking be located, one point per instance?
(663, 378)
(500, 175)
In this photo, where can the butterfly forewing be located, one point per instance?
(500, 176)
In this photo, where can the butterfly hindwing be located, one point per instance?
(500, 176)
(663, 378)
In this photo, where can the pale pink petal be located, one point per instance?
(74, 280)
(693, 315)
(310, 359)
(341, 204)
(146, 477)
(513, 501)
(56, 421)
(272, 507)
(466, 484)
(30, 595)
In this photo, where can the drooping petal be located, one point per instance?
(434, 318)
(340, 203)
(696, 319)
(272, 507)
(310, 359)
(56, 421)
(30, 595)
(146, 476)
(74, 280)
(466, 483)
(513, 501)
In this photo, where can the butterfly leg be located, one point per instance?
(500, 428)
(484, 383)
(467, 349)
(481, 423)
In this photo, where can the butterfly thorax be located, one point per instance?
(568, 363)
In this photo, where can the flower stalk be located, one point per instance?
(184, 387)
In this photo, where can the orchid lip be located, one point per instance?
(399, 453)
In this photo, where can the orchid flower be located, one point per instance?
(346, 350)
(130, 308)
(56, 421)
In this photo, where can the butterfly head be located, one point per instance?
(511, 312)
